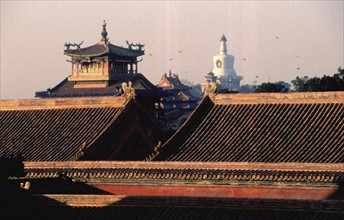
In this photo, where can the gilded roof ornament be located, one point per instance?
(25, 186)
(210, 90)
(128, 91)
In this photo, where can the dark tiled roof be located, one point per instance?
(101, 49)
(66, 88)
(294, 127)
(60, 129)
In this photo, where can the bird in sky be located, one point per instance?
(180, 51)
(298, 68)
(244, 59)
(277, 37)
(150, 54)
(170, 59)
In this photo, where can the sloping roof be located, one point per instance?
(60, 129)
(100, 49)
(172, 82)
(288, 127)
(142, 86)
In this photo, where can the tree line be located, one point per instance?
(301, 84)
(325, 83)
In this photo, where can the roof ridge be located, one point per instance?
(62, 103)
(326, 167)
(278, 98)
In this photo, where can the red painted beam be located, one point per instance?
(262, 192)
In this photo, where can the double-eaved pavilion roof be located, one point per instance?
(63, 129)
(276, 127)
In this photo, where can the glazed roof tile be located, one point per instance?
(293, 127)
(56, 129)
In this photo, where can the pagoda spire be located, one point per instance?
(223, 45)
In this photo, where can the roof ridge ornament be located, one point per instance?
(210, 90)
(138, 46)
(78, 46)
(128, 91)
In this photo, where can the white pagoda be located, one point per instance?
(223, 73)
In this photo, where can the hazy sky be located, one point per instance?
(310, 37)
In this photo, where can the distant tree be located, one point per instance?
(325, 83)
(273, 87)
(314, 84)
(196, 90)
(285, 87)
(224, 91)
(247, 88)
(339, 78)
(187, 82)
(300, 84)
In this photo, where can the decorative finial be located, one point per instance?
(104, 32)
(223, 38)
(210, 90)
(128, 91)
(25, 186)
(223, 45)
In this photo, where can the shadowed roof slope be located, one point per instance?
(61, 129)
(288, 127)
